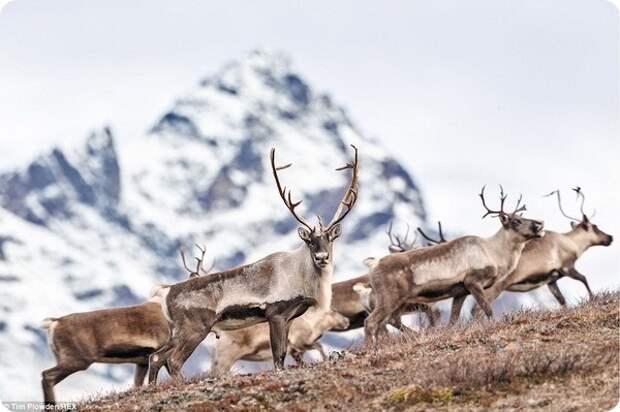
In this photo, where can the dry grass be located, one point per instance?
(565, 359)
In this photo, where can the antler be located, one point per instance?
(286, 196)
(196, 273)
(517, 208)
(350, 196)
(583, 199)
(396, 243)
(484, 203)
(442, 239)
(557, 193)
(502, 198)
(580, 194)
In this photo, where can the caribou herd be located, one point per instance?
(282, 304)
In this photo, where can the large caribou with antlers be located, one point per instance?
(275, 289)
(462, 266)
(544, 261)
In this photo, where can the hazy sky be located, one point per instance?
(523, 93)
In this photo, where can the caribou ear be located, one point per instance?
(573, 225)
(304, 234)
(370, 262)
(505, 219)
(585, 219)
(334, 232)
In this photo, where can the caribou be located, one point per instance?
(462, 266)
(352, 298)
(544, 261)
(275, 289)
(118, 335)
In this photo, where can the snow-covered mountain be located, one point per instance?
(98, 225)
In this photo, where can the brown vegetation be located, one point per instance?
(564, 359)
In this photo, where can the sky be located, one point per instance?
(465, 93)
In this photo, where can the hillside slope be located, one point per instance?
(564, 359)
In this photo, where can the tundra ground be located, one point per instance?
(561, 360)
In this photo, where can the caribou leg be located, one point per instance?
(380, 316)
(278, 336)
(434, 315)
(227, 352)
(397, 322)
(574, 274)
(557, 294)
(279, 316)
(159, 358)
(318, 347)
(186, 336)
(491, 294)
(140, 373)
(55, 375)
(373, 322)
(181, 353)
(298, 356)
(473, 284)
(457, 304)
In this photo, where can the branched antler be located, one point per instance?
(502, 197)
(580, 195)
(286, 196)
(346, 204)
(350, 195)
(199, 269)
(397, 244)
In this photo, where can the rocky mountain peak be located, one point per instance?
(48, 187)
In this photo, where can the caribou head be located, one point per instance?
(514, 222)
(320, 238)
(595, 235)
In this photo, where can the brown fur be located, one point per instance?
(119, 335)
(346, 301)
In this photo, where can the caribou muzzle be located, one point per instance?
(321, 259)
(538, 227)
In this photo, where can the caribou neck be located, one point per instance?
(318, 280)
(504, 241)
(579, 239)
